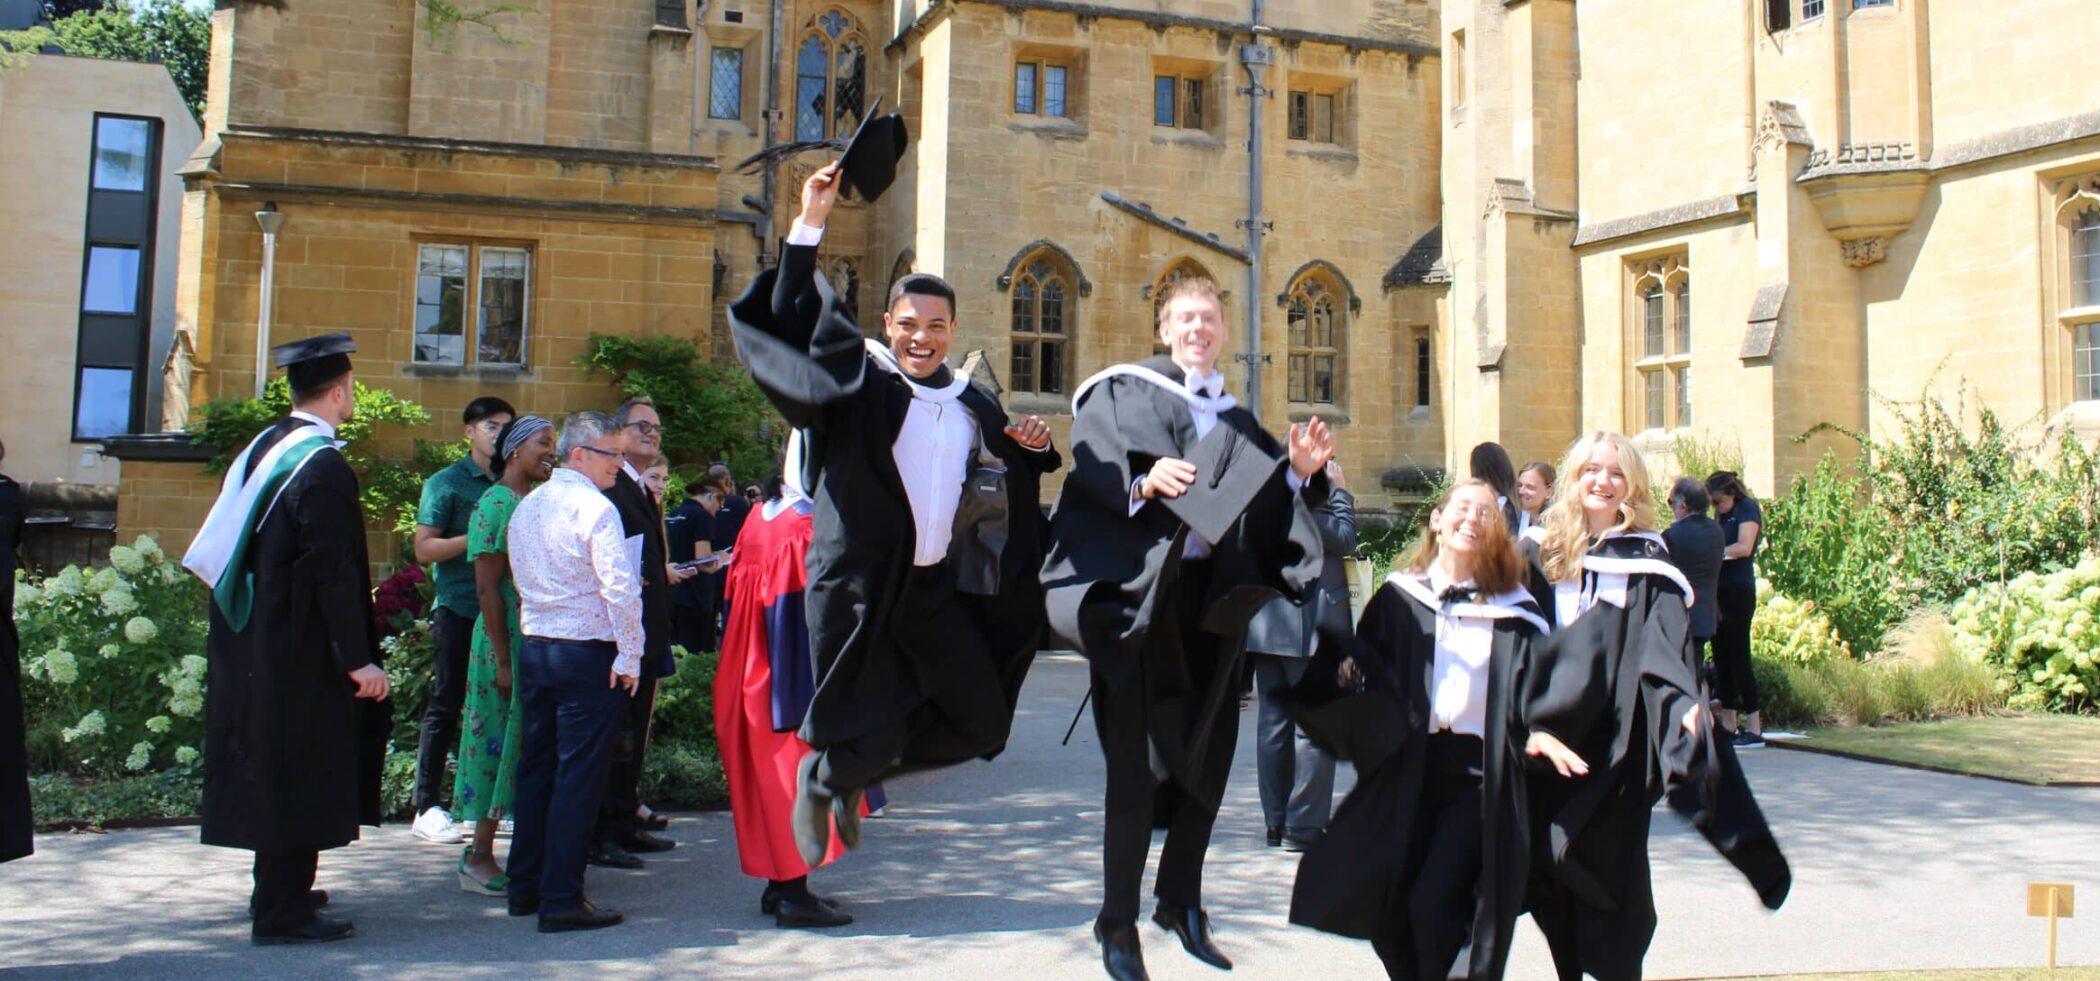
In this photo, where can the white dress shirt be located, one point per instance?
(569, 562)
(1458, 678)
(327, 428)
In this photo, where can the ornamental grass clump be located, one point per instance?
(113, 665)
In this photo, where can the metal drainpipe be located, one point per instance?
(1256, 57)
(770, 181)
(271, 221)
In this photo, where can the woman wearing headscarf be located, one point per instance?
(488, 746)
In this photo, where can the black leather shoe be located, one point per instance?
(1120, 952)
(796, 914)
(643, 841)
(811, 822)
(1275, 837)
(1192, 925)
(584, 917)
(317, 899)
(610, 855)
(769, 900)
(524, 905)
(845, 813)
(319, 930)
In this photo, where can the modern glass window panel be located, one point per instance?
(1652, 323)
(104, 408)
(725, 96)
(121, 148)
(1024, 87)
(2085, 260)
(1054, 91)
(112, 280)
(1163, 100)
(505, 276)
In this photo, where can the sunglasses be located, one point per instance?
(647, 428)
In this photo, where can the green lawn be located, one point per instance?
(2002, 974)
(2035, 749)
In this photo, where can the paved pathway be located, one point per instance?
(989, 871)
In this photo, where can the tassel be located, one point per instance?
(775, 154)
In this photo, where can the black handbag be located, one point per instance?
(981, 525)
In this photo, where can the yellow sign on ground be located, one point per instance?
(2053, 900)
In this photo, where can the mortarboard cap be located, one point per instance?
(1231, 471)
(314, 361)
(869, 163)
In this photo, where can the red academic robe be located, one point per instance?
(766, 640)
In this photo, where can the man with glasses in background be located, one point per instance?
(622, 829)
(447, 507)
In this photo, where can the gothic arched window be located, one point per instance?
(1043, 296)
(1317, 322)
(831, 78)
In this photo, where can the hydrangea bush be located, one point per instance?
(1793, 631)
(113, 664)
(2042, 632)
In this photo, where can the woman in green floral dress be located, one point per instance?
(489, 730)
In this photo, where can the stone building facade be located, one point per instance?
(1871, 196)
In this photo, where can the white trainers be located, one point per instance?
(434, 825)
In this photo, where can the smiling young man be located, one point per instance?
(1180, 519)
(922, 620)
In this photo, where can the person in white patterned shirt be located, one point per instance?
(580, 611)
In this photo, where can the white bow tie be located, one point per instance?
(1208, 388)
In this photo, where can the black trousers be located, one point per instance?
(1136, 794)
(282, 882)
(1442, 885)
(571, 718)
(693, 627)
(963, 713)
(1735, 682)
(623, 787)
(1296, 776)
(454, 636)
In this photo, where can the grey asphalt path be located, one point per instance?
(990, 871)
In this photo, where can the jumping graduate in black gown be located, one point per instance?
(923, 604)
(1181, 517)
(1617, 685)
(294, 725)
(1428, 857)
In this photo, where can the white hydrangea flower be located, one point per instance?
(127, 560)
(68, 582)
(119, 601)
(26, 594)
(186, 704)
(146, 546)
(110, 650)
(193, 664)
(159, 724)
(103, 581)
(91, 724)
(140, 630)
(141, 756)
(186, 755)
(62, 667)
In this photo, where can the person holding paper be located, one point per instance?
(1181, 518)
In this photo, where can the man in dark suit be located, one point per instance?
(1696, 541)
(291, 755)
(923, 621)
(620, 832)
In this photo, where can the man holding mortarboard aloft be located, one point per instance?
(923, 602)
(294, 734)
(1180, 519)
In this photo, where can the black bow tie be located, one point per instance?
(1456, 594)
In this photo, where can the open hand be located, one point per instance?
(1030, 431)
(1312, 445)
(1170, 478)
(1548, 745)
(371, 682)
(819, 194)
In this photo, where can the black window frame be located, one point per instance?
(143, 203)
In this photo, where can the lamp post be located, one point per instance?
(271, 221)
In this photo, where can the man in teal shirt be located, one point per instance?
(448, 503)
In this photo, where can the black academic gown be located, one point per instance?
(810, 358)
(639, 516)
(1110, 573)
(16, 821)
(291, 757)
(1356, 881)
(1614, 684)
